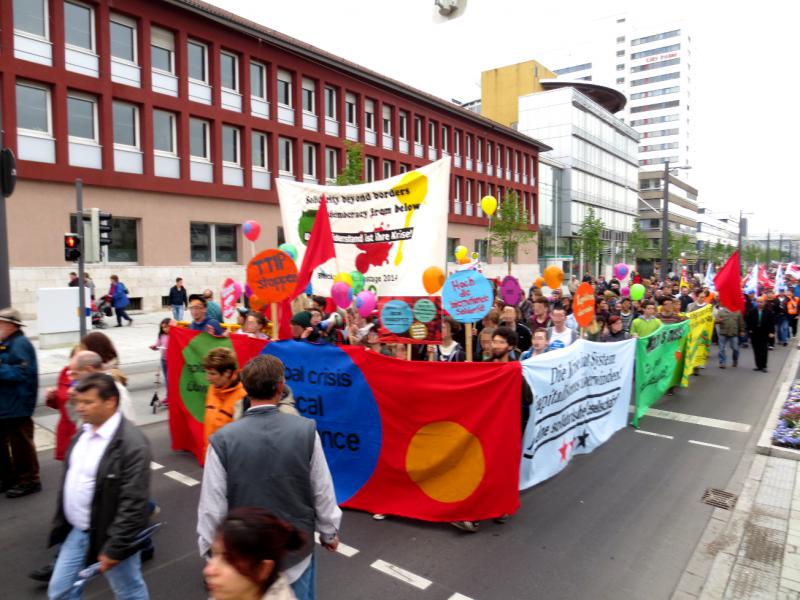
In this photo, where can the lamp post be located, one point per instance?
(742, 233)
(665, 221)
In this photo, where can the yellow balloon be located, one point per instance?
(461, 252)
(344, 277)
(489, 205)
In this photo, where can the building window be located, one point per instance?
(30, 16)
(125, 248)
(230, 145)
(197, 54)
(387, 120)
(620, 39)
(123, 38)
(164, 132)
(431, 134)
(126, 124)
(309, 96)
(656, 78)
(33, 108)
(285, 156)
(285, 88)
(468, 149)
(310, 161)
(402, 125)
(489, 153)
(198, 139)
(620, 67)
(479, 150)
(656, 65)
(258, 151)
(330, 102)
(229, 71)
(418, 130)
(350, 109)
(387, 169)
(213, 243)
(162, 50)
(574, 69)
(369, 115)
(82, 117)
(620, 53)
(456, 142)
(654, 51)
(445, 138)
(457, 196)
(404, 168)
(482, 249)
(78, 25)
(659, 92)
(331, 163)
(656, 37)
(658, 106)
(452, 244)
(258, 80)
(499, 158)
(620, 80)
(369, 169)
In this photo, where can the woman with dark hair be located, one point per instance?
(247, 556)
(102, 344)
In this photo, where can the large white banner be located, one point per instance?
(580, 399)
(389, 230)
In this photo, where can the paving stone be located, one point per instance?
(787, 594)
(751, 584)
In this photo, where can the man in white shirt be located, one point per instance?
(295, 483)
(102, 505)
(559, 334)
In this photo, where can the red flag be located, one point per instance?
(319, 249)
(728, 286)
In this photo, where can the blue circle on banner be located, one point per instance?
(396, 316)
(467, 296)
(331, 389)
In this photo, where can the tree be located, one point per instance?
(638, 243)
(510, 228)
(353, 172)
(589, 240)
(750, 254)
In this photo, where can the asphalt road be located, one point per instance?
(619, 523)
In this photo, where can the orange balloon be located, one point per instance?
(464, 260)
(539, 282)
(553, 276)
(433, 279)
(257, 303)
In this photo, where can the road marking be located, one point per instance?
(709, 445)
(155, 466)
(181, 478)
(695, 420)
(401, 574)
(654, 434)
(344, 549)
(459, 597)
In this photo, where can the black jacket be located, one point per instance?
(119, 507)
(766, 327)
(177, 296)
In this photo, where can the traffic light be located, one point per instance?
(104, 227)
(97, 234)
(72, 247)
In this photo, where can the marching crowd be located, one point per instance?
(104, 505)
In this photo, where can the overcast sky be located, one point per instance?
(745, 102)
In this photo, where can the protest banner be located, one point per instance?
(388, 230)
(410, 320)
(581, 398)
(467, 296)
(392, 448)
(229, 296)
(659, 365)
(698, 341)
(187, 384)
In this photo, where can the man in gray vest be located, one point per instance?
(279, 465)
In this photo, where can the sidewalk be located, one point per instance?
(753, 552)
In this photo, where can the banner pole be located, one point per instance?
(468, 339)
(276, 330)
(408, 351)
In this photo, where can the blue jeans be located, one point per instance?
(177, 312)
(783, 329)
(733, 342)
(304, 587)
(125, 579)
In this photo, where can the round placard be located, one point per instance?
(272, 275)
(467, 296)
(424, 310)
(396, 316)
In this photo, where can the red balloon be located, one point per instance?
(251, 230)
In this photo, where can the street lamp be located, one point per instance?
(741, 230)
(665, 220)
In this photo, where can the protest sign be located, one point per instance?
(659, 365)
(510, 290)
(387, 230)
(698, 340)
(229, 296)
(272, 275)
(467, 296)
(581, 397)
(583, 304)
(410, 320)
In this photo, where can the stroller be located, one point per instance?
(100, 310)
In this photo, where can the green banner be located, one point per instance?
(701, 327)
(659, 365)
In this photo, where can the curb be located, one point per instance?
(764, 445)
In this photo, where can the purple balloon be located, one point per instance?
(342, 294)
(626, 292)
(365, 303)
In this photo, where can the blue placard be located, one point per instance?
(396, 316)
(467, 296)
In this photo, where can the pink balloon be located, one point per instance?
(621, 270)
(626, 292)
(365, 303)
(342, 294)
(251, 230)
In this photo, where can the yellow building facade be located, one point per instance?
(502, 87)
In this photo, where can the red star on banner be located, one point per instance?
(565, 449)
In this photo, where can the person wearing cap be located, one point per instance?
(302, 329)
(615, 332)
(19, 387)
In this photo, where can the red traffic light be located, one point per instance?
(70, 241)
(72, 247)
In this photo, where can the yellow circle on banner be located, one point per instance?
(418, 331)
(446, 461)
(412, 189)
